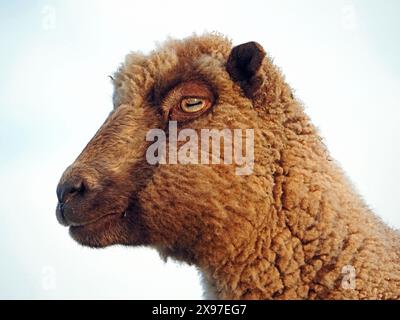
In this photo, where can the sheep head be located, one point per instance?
(112, 193)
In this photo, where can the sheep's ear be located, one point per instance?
(243, 64)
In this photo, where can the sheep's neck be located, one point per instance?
(308, 247)
(285, 266)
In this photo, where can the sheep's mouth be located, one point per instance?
(99, 220)
(107, 217)
(85, 232)
(108, 229)
(98, 233)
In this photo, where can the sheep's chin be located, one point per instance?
(100, 233)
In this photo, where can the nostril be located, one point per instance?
(70, 188)
(78, 187)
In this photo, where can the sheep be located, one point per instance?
(291, 228)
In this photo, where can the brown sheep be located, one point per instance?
(292, 229)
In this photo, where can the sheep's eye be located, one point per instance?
(193, 104)
(187, 101)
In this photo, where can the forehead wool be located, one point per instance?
(171, 62)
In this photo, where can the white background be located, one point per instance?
(341, 57)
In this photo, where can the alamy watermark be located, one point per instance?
(349, 277)
(49, 278)
(349, 17)
(49, 17)
(209, 146)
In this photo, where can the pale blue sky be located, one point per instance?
(341, 57)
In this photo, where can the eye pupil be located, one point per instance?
(192, 104)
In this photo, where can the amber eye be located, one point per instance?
(193, 104)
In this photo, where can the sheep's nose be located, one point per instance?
(70, 188)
